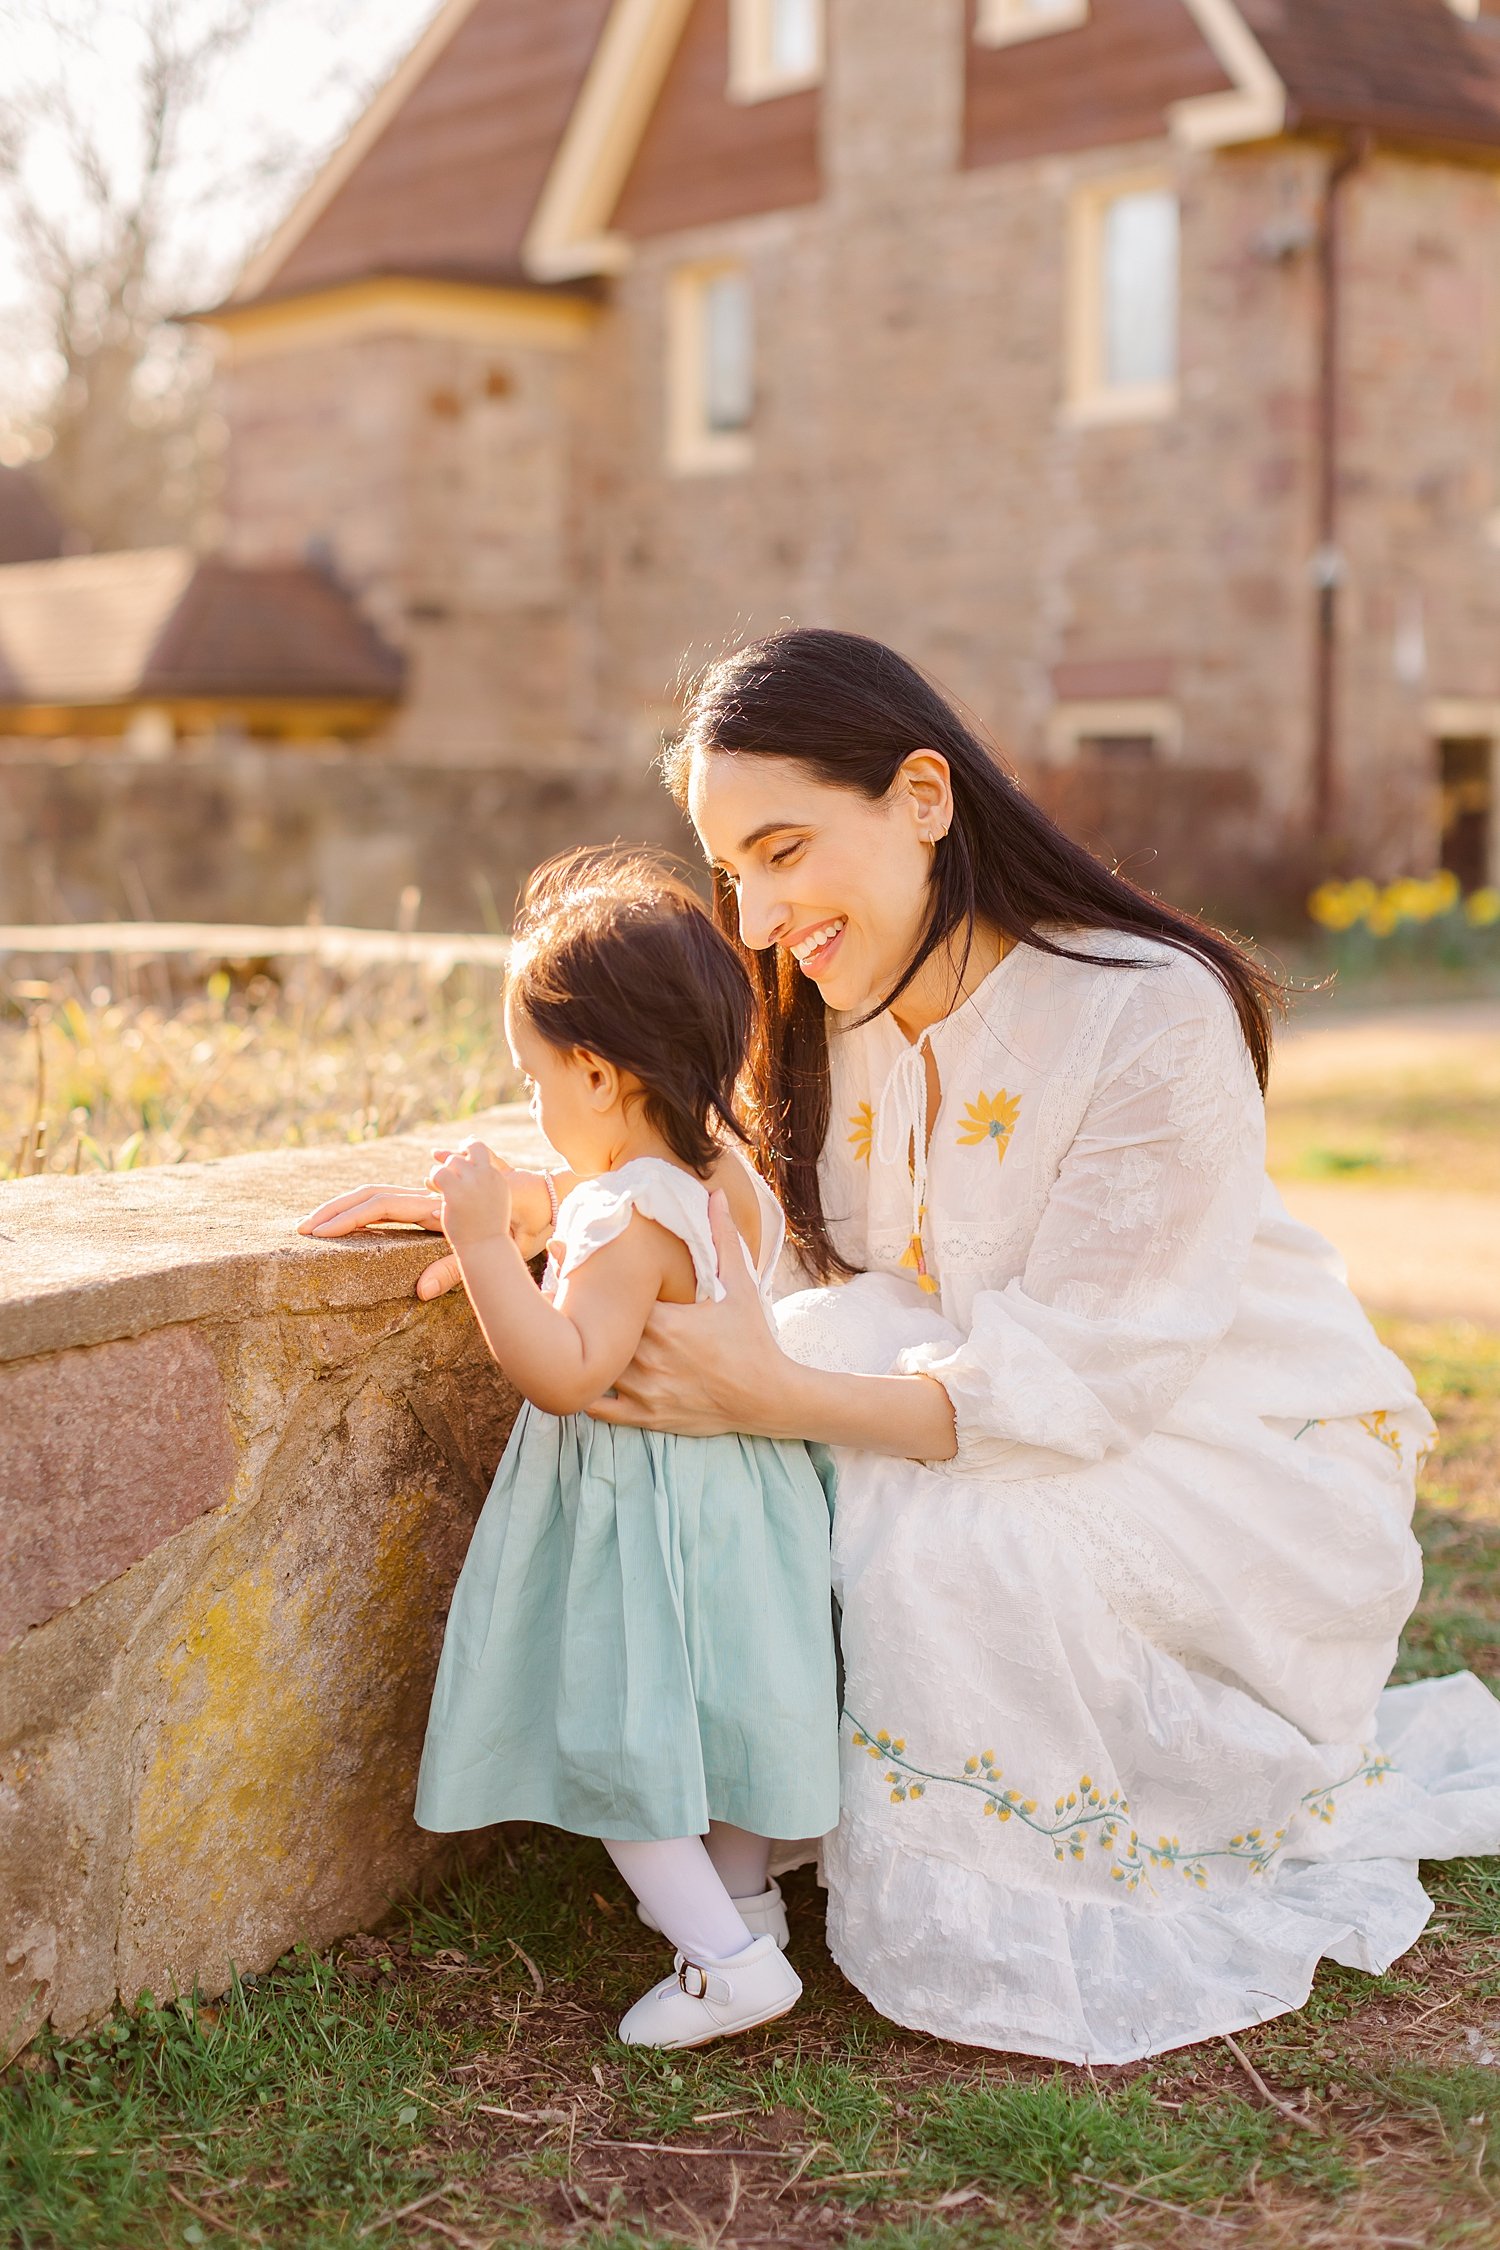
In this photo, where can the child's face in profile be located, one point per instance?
(563, 1095)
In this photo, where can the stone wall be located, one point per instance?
(259, 834)
(433, 473)
(238, 1472)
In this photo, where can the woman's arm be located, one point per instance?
(703, 1370)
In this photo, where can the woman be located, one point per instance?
(1125, 1478)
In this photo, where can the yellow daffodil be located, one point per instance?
(1482, 908)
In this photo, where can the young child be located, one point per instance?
(640, 1645)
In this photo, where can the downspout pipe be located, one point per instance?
(1328, 559)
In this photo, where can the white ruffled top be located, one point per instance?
(599, 1210)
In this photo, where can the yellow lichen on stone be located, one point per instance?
(233, 1737)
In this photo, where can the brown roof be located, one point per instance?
(1409, 69)
(448, 184)
(163, 625)
(448, 188)
(30, 527)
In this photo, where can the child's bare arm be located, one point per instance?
(560, 1355)
(564, 1354)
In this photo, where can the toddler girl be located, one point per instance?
(640, 1645)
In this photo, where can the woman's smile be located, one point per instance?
(813, 950)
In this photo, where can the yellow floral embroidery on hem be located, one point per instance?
(1085, 1809)
(992, 1117)
(1379, 1426)
(862, 1136)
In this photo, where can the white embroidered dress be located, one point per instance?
(1117, 1768)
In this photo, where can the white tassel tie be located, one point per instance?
(901, 1135)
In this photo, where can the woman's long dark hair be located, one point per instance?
(851, 710)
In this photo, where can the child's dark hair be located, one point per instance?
(615, 953)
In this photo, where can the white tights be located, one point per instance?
(689, 1885)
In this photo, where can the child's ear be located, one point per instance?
(601, 1080)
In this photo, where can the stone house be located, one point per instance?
(1134, 365)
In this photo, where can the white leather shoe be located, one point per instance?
(763, 1916)
(707, 2000)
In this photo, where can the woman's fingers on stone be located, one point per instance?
(436, 1279)
(358, 1208)
(335, 1205)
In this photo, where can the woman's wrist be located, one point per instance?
(908, 1416)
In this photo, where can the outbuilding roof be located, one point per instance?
(164, 625)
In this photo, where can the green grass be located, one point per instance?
(454, 2079)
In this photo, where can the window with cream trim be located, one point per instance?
(1123, 291)
(710, 368)
(775, 47)
(1124, 733)
(1001, 23)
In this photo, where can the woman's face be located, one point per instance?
(835, 879)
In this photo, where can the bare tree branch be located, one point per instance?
(117, 213)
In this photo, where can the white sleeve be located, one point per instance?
(598, 1211)
(1134, 1272)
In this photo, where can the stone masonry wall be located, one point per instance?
(256, 834)
(1421, 480)
(238, 1473)
(916, 475)
(433, 472)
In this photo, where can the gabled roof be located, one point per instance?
(163, 625)
(497, 151)
(441, 174)
(30, 527)
(1412, 70)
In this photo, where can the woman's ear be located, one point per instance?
(928, 786)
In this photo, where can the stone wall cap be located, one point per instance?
(85, 1260)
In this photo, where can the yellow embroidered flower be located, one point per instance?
(862, 1138)
(1379, 1426)
(991, 1118)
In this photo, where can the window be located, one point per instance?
(1123, 288)
(999, 23)
(775, 47)
(711, 369)
(1469, 836)
(1117, 736)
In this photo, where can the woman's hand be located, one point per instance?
(701, 1370)
(374, 1206)
(704, 1370)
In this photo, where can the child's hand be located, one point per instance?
(474, 1184)
(531, 1206)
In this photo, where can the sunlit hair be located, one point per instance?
(615, 953)
(850, 711)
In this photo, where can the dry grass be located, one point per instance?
(92, 1079)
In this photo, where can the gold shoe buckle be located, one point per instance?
(700, 1974)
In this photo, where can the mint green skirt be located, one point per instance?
(640, 1641)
